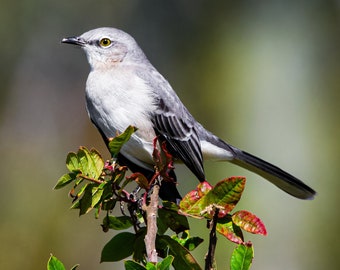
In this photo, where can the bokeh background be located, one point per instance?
(264, 75)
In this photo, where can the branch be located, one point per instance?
(151, 213)
(210, 257)
(90, 179)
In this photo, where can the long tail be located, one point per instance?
(273, 174)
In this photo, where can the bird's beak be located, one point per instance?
(74, 40)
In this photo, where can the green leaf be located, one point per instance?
(120, 174)
(97, 161)
(225, 195)
(170, 218)
(75, 205)
(97, 193)
(72, 162)
(150, 266)
(118, 248)
(107, 200)
(249, 222)
(75, 267)
(91, 162)
(242, 257)
(82, 189)
(165, 264)
(83, 160)
(139, 250)
(86, 200)
(132, 265)
(54, 264)
(190, 243)
(117, 142)
(65, 180)
(117, 223)
(183, 259)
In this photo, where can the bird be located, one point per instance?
(123, 88)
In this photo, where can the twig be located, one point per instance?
(97, 181)
(210, 257)
(151, 213)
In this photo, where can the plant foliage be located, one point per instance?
(101, 186)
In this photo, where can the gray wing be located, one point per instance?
(174, 124)
(178, 130)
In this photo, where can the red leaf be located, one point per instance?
(249, 222)
(224, 195)
(203, 201)
(141, 180)
(188, 205)
(203, 188)
(234, 234)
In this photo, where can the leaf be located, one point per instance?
(72, 162)
(118, 248)
(82, 189)
(54, 264)
(249, 222)
(132, 265)
(86, 200)
(120, 174)
(242, 257)
(169, 218)
(75, 205)
(75, 267)
(165, 264)
(117, 223)
(188, 204)
(193, 196)
(97, 161)
(91, 162)
(65, 180)
(190, 243)
(232, 232)
(139, 250)
(97, 193)
(183, 260)
(140, 179)
(203, 188)
(82, 158)
(224, 196)
(117, 142)
(150, 266)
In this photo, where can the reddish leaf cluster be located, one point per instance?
(205, 199)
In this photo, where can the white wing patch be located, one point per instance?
(213, 152)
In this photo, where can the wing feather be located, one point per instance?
(173, 123)
(181, 138)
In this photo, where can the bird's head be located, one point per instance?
(106, 46)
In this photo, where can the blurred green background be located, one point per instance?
(264, 75)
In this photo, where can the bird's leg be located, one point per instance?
(168, 161)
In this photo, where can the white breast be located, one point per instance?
(116, 99)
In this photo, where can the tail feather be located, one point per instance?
(273, 174)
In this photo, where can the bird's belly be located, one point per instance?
(113, 120)
(114, 104)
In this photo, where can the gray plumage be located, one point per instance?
(123, 88)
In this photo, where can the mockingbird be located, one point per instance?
(123, 88)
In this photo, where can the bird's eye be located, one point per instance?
(105, 42)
